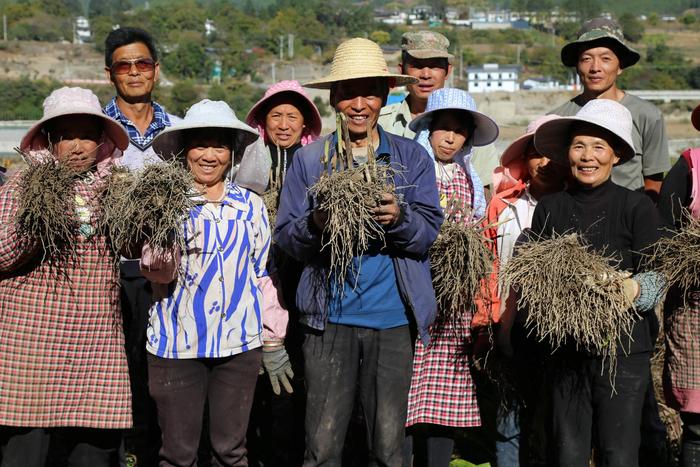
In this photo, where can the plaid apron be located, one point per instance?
(682, 363)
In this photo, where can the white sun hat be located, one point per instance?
(251, 163)
(553, 138)
(359, 58)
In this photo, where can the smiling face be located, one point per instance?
(135, 85)
(544, 173)
(284, 125)
(598, 69)
(449, 131)
(75, 140)
(430, 72)
(591, 156)
(208, 155)
(360, 100)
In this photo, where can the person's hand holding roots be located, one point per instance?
(388, 212)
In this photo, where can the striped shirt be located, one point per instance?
(214, 308)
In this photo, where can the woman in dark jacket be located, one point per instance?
(586, 410)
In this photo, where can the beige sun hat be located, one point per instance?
(69, 101)
(553, 138)
(359, 58)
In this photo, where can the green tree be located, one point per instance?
(189, 59)
(586, 9)
(688, 19)
(380, 37)
(182, 95)
(632, 28)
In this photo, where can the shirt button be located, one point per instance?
(223, 315)
(221, 278)
(221, 248)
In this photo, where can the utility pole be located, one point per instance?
(518, 55)
(290, 46)
(461, 65)
(274, 78)
(4, 28)
(281, 48)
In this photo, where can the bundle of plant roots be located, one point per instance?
(570, 292)
(348, 194)
(47, 207)
(149, 204)
(460, 260)
(678, 256)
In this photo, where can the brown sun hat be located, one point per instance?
(426, 44)
(359, 58)
(596, 33)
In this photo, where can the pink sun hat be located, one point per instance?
(68, 101)
(312, 117)
(513, 169)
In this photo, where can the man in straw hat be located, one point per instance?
(425, 56)
(600, 55)
(370, 343)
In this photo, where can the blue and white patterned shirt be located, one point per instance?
(214, 308)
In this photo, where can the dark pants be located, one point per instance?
(690, 443)
(428, 446)
(586, 412)
(181, 388)
(143, 440)
(335, 361)
(58, 447)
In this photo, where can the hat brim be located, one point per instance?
(516, 149)
(627, 55)
(485, 129)
(327, 82)
(430, 53)
(36, 139)
(170, 143)
(552, 139)
(695, 117)
(312, 117)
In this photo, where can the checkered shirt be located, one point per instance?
(682, 364)
(459, 188)
(442, 390)
(160, 122)
(62, 360)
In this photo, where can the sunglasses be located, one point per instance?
(123, 67)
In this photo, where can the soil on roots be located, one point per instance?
(570, 294)
(47, 208)
(147, 205)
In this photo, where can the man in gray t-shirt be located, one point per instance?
(600, 55)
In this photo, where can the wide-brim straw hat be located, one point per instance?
(516, 149)
(312, 117)
(553, 138)
(65, 102)
(600, 32)
(359, 58)
(207, 114)
(485, 129)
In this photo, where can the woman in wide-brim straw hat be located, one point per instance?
(62, 360)
(357, 338)
(621, 224)
(679, 204)
(442, 396)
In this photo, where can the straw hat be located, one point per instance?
(312, 118)
(204, 114)
(72, 101)
(553, 138)
(517, 148)
(359, 58)
(600, 32)
(485, 129)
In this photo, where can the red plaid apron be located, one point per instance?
(682, 363)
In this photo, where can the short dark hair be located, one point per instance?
(125, 36)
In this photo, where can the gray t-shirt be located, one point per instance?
(648, 135)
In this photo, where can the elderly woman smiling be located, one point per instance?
(619, 223)
(205, 331)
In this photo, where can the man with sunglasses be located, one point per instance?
(131, 64)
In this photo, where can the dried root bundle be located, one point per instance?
(47, 207)
(678, 256)
(150, 204)
(271, 200)
(460, 260)
(348, 194)
(570, 292)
